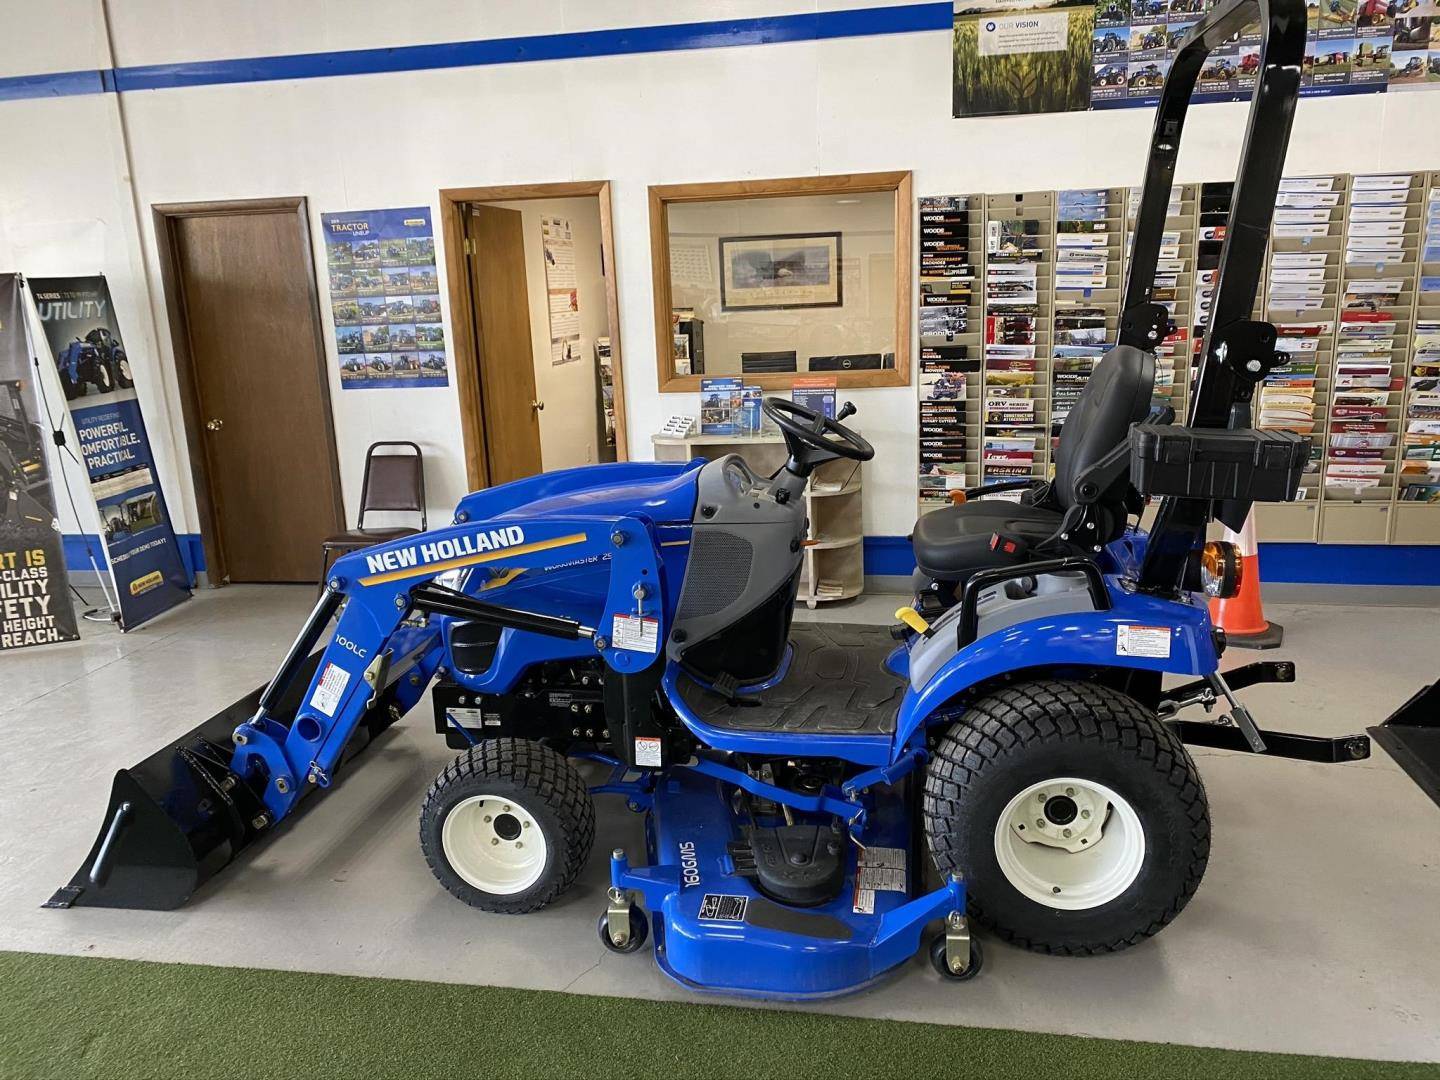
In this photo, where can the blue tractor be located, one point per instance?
(816, 798)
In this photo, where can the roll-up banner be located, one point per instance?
(34, 589)
(99, 385)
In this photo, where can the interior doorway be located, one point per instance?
(535, 317)
(239, 281)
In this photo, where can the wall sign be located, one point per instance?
(95, 373)
(1014, 56)
(34, 588)
(385, 298)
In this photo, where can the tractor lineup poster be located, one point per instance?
(1020, 56)
(385, 298)
(34, 589)
(94, 370)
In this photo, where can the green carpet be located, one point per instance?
(77, 1017)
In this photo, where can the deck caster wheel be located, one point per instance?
(634, 940)
(940, 960)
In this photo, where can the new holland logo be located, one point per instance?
(444, 550)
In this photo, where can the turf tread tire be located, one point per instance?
(1002, 728)
(528, 769)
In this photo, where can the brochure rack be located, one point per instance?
(1352, 281)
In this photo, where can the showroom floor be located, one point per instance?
(1314, 930)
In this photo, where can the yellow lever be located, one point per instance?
(911, 618)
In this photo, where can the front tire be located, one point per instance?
(507, 826)
(1077, 818)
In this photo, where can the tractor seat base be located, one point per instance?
(953, 542)
(836, 684)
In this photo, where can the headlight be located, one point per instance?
(1221, 570)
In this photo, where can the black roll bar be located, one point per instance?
(1220, 395)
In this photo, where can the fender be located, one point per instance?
(1083, 639)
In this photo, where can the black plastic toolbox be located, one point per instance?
(1217, 463)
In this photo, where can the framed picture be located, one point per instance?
(794, 270)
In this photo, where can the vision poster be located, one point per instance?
(95, 374)
(385, 298)
(34, 589)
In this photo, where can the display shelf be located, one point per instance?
(834, 517)
(1329, 238)
(1301, 298)
(1417, 510)
(951, 247)
(1085, 301)
(1019, 282)
(1380, 262)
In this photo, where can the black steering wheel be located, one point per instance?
(814, 438)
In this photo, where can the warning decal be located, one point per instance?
(1151, 641)
(327, 692)
(879, 869)
(722, 907)
(636, 633)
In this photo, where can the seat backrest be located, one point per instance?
(393, 481)
(1117, 395)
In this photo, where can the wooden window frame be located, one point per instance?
(466, 346)
(897, 183)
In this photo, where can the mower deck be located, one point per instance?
(835, 683)
(715, 930)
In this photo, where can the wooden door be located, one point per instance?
(261, 397)
(502, 327)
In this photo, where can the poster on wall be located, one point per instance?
(385, 298)
(1021, 56)
(562, 289)
(1009, 56)
(94, 371)
(35, 604)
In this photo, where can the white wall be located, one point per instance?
(861, 104)
(568, 428)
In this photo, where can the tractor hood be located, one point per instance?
(662, 491)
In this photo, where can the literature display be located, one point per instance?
(1352, 284)
(950, 244)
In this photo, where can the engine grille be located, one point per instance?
(718, 572)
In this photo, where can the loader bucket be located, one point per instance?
(1411, 735)
(177, 818)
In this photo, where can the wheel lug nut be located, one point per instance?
(494, 840)
(506, 808)
(1085, 813)
(525, 825)
(519, 843)
(1039, 796)
(1039, 822)
(1067, 833)
(487, 817)
(1070, 791)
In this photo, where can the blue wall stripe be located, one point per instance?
(1310, 564)
(54, 84)
(812, 26)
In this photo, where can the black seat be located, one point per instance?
(953, 542)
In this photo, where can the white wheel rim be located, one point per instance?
(1069, 844)
(494, 844)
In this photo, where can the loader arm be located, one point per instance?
(179, 816)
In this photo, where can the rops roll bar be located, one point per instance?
(1234, 345)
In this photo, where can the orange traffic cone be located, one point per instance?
(1242, 617)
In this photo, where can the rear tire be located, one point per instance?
(507, 826)
(1039, 755)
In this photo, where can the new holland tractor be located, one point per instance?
(816, 798)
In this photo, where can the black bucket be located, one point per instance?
(1411, 735)
(180, 816)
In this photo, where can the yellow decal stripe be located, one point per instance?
(503, 578)
(472, 560)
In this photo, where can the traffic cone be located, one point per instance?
(1242, 617)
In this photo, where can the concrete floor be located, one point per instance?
(1316, 929)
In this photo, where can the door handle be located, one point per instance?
(538, 406)
(214, 425)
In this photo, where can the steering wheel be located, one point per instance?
(814, 438)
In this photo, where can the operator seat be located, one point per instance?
(953, 542)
